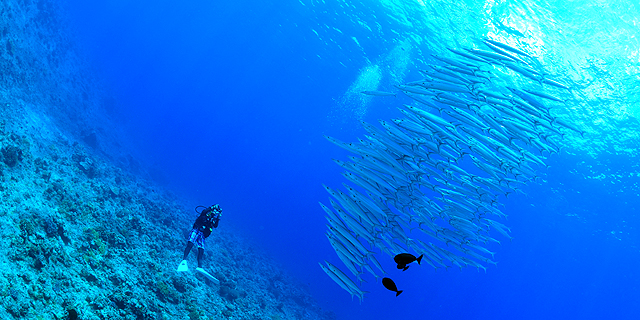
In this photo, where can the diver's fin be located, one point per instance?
(208, 276)
(182, 267)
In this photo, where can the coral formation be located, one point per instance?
(11, 155)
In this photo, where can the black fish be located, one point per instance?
(389, 284)
(403, 259)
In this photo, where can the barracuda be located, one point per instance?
(524, 72)
(372, 176)
(494, 95)
(397, 176)
(451, 103)
(529, 99)
(352, 223)
(473, 120)
(333, 216)
(555, 84)
(507, 47)
(513, 113)
(544, 95)
(378, 93)
(358, 253)
(343, 277)
(415, 89)
(530, 156)
(442, 86)
(500, 137)
(498, 50)
(347, 146)
(490, 55)
(548, 126)
(446, 78)
(387, 157)
(412, 126)
(468, 56)
(543, 147)
(428, 116)
(524, 106)
(454, 62)
(401, 136)
(368, 203)
(451, 97)
(470, 73)
(451, 74)
(568, 125)
(444, 172)
(365, 184)
(342, 283)
(351, 207)
(347, 260)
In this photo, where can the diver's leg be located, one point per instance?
(200, 254)
(187, 249)
(182, 267)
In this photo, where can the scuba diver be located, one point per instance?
(207, 220)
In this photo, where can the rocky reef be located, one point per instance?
(83, 233)
(81, 236)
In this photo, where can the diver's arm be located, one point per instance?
(215, 221)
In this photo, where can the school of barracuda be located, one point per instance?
(431, 182)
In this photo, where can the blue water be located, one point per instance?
(228, 101)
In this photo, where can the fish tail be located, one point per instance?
(361, 296)
(360, 279)
(398, 292)
(419, 258)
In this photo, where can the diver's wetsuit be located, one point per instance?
(206, 224)
(202, 228)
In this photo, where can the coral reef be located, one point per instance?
(83, 233)
(104, 244)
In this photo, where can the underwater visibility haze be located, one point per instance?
(494, 141)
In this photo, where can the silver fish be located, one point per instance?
(378, 93)
(507, 47)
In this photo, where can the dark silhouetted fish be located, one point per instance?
(389, 284)
(403, 259)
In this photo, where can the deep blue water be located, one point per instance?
(228, 101)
